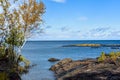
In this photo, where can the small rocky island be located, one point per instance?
(92, 45)
(105, 67)
(53, 59)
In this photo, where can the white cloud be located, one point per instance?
(98, 33)
(115, 34)
(1, 10)
(59, 1)
(100, 29)
(83, 18)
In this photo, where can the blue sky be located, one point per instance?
(80, 20)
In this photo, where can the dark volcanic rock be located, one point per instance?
(103, 75)
(88, 69)
(53, 59)
(60, 63)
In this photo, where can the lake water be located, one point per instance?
(38, 52)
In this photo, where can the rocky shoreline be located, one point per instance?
(87, 69)
(12, 73)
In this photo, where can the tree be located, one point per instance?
(16, 25)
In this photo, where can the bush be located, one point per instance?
(112, 56)
(118, 54)
(102, 57)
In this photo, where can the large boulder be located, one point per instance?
(65, 61)
(60, 64)
(53, 59)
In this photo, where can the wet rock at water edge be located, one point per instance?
(53, 59)
(60, 63)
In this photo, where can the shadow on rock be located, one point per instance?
(105, 75)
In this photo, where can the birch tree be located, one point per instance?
(16, 24)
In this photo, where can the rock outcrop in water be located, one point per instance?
(88, 69)
(53, 59)
(57, 66)
(92, 45)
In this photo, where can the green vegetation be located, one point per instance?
(88, 45)
(16, 25)
(112, 56)
(102, 57)
(3, 76)
(94, 45)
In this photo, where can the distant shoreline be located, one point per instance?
(92, 45)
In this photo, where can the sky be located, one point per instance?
(80, 20)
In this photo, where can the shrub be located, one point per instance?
(102, 57)
(118, 54)
(113, 56)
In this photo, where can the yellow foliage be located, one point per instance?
(17, 24)
(25, 17)
(2, 51)
(102, 57)
(3, 76)
(117, 54)
(31, 13)
(21, 68)
(23, 59)
(89, 45)
(113, 56)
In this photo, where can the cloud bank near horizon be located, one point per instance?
(98, 33)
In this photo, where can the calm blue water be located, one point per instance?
(38, 52)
